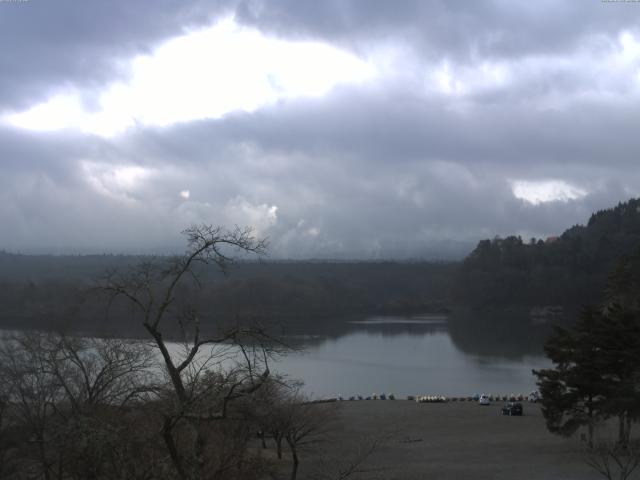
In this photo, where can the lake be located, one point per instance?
(406, 356)
(416, 355)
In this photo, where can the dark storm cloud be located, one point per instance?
(405, 165)
(399, 129)
(454, 28)
(368, 131)
(400, 182)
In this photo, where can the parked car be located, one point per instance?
(512, 408)
(484, 400)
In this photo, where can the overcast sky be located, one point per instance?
(337, 128)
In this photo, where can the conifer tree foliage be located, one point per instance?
(572, 394)
(559, 270)
(596, 372)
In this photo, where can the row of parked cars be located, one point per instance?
(511, 407)
(533, 397)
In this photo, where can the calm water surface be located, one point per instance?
(407, 357)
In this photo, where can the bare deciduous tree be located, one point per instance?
(60, 394)
(304, 424)
(613, 460)
(352, 464)
(197, 397)
(32, 393)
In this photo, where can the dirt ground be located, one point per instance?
(456, 440)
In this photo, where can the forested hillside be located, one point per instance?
(502, 273)
(569, 270)
(58, 292)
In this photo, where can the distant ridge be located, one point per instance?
(569, 270)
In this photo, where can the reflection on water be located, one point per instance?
(503, 334)
(409, 357)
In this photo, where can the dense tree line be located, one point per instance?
(290, 295)
(562, 270)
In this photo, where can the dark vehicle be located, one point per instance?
(512, 408)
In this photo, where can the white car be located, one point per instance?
(484, 400)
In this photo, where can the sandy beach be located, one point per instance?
(456, 440)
